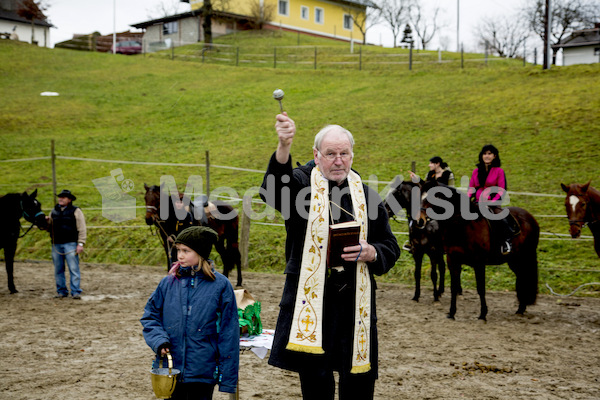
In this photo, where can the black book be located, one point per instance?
(341, 235)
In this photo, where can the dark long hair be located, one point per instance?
(438, 160)
(482, 172)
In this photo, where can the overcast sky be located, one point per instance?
(86, 16)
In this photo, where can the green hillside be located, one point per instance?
(158, 110)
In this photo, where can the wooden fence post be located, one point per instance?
(207, 175)
(245, 239)
(53, 158)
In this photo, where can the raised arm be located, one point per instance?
(286, 129)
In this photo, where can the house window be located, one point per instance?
(284, 7)
(319, 15)
(597, 51)
(170, 27)
(304, 12)
(348, 22)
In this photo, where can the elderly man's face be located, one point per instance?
(64, 201)
(335, 145)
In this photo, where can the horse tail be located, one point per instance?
(527, 283)
(527, 280)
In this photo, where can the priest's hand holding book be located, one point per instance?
(361, 252)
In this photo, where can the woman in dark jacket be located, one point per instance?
(438, 171)
(204, 339)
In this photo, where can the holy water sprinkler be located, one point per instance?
(278, 95)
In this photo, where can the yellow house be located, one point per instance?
(329, 18)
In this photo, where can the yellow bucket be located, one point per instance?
(164, 379)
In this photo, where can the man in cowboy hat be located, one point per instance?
(327, 318)
(68, 234)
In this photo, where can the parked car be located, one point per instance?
(128, 47)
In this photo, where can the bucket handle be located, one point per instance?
(169, 362)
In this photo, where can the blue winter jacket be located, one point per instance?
(199, 318)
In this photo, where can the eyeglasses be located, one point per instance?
(331, 156)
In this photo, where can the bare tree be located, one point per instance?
(567, 15)
(208, 13)
(32, 10)
(166, 8)
(395, 13)
(503, 35)
(261, 12)
(365, 18)
(425, 28)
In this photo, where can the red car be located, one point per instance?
(128, 47)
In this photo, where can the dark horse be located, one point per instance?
(583, 207)
(223, 219)
(470, 239)
(423, 239)
(14, 206)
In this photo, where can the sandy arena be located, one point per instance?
(94, 349)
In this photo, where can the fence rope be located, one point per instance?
(573, 292)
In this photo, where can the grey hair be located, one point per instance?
(321, 134)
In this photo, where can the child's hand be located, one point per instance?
(164, 348)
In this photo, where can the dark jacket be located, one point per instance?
(207, 337)
(64, 225)
(379, 235)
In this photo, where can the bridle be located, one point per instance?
(159, 224)
(28, 218)
(580, 223)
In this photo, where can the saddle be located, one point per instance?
(503, 229)
(208, 209)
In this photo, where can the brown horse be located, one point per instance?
(221, 217)
(423, 239)
(470, 239)
(14, 206)
(583, 207)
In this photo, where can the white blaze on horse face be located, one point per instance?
(573, 200)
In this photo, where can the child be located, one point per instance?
(193, 315)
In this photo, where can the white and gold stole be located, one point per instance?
(306, 334)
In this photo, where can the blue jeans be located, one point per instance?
(60, 253)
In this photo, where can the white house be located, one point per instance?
(11, 23)
(581, 47)
(185, 28)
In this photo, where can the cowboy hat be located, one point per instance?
(67, 193)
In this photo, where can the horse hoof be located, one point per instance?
(13, 291)
(415, 299)
(482, 320)
(450, 317)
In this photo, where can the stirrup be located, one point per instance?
(506, 248)
(407, 246)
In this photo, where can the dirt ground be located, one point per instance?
(94, 349)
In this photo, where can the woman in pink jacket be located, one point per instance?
(488, 180)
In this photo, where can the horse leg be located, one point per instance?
(9, 259)
(439, 256)
(233, 249)
(167, 253)
(480, 279)
(435, 265)
(220, 247)
(455, 286)
(418, 257)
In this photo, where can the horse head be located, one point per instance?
(576, 205)
(152, 198)
(32, 210)
(445, 203)
(399, 197)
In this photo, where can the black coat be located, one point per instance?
(339, 289)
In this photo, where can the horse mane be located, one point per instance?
(455, 198)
